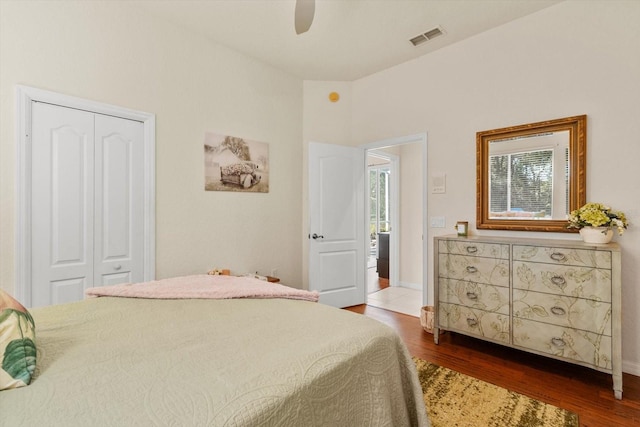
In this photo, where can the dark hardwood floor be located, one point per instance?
(585, 391)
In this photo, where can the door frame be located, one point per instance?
(25, 96)
(420, 138)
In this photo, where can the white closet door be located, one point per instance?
(62, 204)
(119, 209)
(87, 202)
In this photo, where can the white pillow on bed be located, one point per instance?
(17, 343)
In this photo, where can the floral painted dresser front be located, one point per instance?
(556, 298)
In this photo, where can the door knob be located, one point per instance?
(117, 267)
(314, 236)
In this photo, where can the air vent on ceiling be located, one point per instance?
(425, 37)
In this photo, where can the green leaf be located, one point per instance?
(4, 314)
(20, 359)
(22, 318)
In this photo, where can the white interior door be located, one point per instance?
(87, 211)
(119, 211)
(336, 224)
(62, 204)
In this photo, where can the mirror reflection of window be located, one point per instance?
(522, 183)
(529, 177)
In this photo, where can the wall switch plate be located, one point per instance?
(437, 222)
(438, 184)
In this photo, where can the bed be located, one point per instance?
(214, 362)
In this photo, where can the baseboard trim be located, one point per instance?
(632, 368)
(409, 285)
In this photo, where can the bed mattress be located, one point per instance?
(199, 362)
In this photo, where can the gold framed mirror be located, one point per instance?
(529, 177)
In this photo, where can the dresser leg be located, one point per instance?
(436, 337)
(617, 385)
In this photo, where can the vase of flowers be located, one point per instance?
(596, 234)
(597, 221)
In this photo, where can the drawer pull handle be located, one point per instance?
(558, 256)
(558, 342)
(471, 269)
(472, 322)
(471, 249)
(472, 295)
(558, 281)
(558, 311)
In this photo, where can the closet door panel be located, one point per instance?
(62, 203)
(119, 202)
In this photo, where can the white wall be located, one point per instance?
(570, 59)
(111, 52)
(411, 193)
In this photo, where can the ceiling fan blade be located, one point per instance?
(305, 10)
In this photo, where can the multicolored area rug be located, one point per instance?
(457, 400)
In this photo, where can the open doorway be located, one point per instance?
(396, 276)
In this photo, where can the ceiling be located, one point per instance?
(348, 39)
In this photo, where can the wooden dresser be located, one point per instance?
(556, 298)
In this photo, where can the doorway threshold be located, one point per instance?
(398, 299)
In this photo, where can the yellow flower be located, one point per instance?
(597, 215)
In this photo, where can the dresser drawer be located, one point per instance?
(474, 295)
(586, 348)
(563, 256)
(479, 323)
(470, 248)
(577, 313)
(474, 269)
(583, 282)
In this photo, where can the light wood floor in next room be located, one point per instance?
(582, 390)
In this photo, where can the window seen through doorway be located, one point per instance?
(379, 218)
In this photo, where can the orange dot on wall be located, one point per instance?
(334, 97)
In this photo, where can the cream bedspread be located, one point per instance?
(124, 362)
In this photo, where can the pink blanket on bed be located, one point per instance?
(203, 286)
